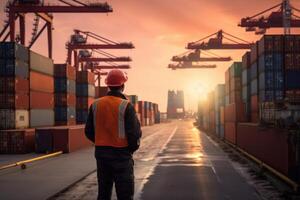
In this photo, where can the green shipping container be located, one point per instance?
(236, 69)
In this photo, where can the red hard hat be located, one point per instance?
(116, 77)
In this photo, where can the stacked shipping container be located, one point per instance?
(234, 111)
(219, 109)
(41, 91)
(85, 94)
(14, 88)
(270, 94)
(65, 94)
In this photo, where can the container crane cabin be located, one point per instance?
(17, 10)
(284, 17)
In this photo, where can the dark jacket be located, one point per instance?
(132, 130)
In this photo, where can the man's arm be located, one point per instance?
(89, 125)
(132, 128)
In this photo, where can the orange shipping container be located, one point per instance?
(41, 100)
(41, 82)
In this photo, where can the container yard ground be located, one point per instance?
(177, 161)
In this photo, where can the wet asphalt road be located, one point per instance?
(176, 161)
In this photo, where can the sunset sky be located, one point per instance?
(160, 29)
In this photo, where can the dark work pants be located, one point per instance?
(120, 172)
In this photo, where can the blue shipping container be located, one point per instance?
(64, 113)
(253, 71)
(63, 85)
(253, 87)
(293, 79)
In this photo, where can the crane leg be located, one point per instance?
(12, 26)
(22, 28)
(49, 30)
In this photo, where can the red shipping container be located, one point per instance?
(4, 142)
(85, 77)
(14, 85)
(64, 99)
(230, 132)
(69, 138)
(41, 100)
(267, 144)
(84, 102)
(236, 84)
(235, 96)
(18, 141)
(65, 71)
(254, 117)
(41, 82)
(254, 104)
(14, 101)
(235, 112)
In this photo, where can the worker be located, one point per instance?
(114, 128)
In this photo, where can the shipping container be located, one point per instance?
(235, 112)
(14, 119)
(41, 64)
(17, 141)
(84, 90)
(292, 79)
(278, 155)
(44, 140)
(47, 82)
(14, 85)
(85, 77)
(41, 117)
(246, 61)
(84, 102)
(64, 99)
(235, 70)
(41, 100)
(81, 116)
(253, 71)
(13, 50)
(64, 85)
(254, 53)
(12, 68)
(64, 71)
(254, 88)
(230, 132)
(14, 101)
(270, 43)
(69, 139)
(65, 113)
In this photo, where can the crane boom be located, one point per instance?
(103, 59)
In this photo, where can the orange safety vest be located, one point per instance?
(109, 121)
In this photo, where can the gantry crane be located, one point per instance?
(186, 59)
(218, 43)
(283, 17)
(86, 56)
(190, 66)
(17, 9)
(78, 41)
(195, 56)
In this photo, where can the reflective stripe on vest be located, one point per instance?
(109, 121)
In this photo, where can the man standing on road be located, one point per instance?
(113, 126)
